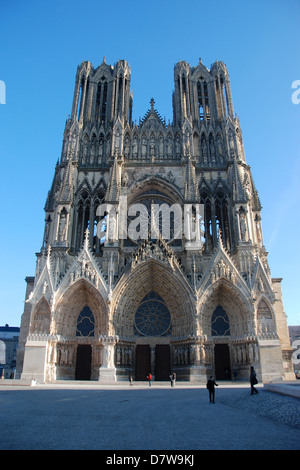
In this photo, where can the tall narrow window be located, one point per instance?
(104, 103)
(208, 234)
(85, 110)
(200, 101)
(206, 103)
(83, 219)
(203, 100)
(79, 103)
(120, 97)
(222, 222)
(98, 98)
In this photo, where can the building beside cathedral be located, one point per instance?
(131, 277)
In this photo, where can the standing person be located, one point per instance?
(211, 384)
(149, 378)
(130, 379)
(253, 380)
(173, 379)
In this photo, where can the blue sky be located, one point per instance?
(43, 42)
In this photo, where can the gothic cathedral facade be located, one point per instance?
(112, 299)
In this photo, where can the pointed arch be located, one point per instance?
(82, 216)
(93, 150)
(41, 317)
(265, 318)
(147, 277)
(237, 307)
(79, 295)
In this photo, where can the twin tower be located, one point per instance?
(200, 301)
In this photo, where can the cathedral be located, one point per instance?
(153, 258)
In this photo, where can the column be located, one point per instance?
(107, 371)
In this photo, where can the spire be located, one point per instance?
(50, 202)
(114, 185)
(86, 239)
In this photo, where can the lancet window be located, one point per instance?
(216, 219)
(203, 100)
(222, 220)
(86, 218)
(101, 100)
(79, 102)
(83, 217)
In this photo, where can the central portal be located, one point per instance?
(152, 323)
(152, 359)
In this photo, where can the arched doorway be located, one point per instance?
(85, 328)
(162, 362)
(222, 362)
(220, 328)
(152, 326)
(142, 361)
(83, 362)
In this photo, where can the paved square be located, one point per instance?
(143, 418)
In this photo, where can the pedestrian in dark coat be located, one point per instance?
(211, 384)
(253, 380)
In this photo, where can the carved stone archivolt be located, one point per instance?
(152, 276)
(72, 303)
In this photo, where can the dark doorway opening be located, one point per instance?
(83, 362)
(162, 362)
(142, 361)
(222, 362)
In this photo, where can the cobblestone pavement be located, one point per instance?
(270, 405)
(144, 418)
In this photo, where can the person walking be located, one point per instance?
(253, 381)
(211, 384)
(149, 378)
(130, 379)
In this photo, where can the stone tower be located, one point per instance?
(153, 256)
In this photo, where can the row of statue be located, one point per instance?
(97, 151)
(64, 354)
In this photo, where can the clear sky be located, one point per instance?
(43, 42)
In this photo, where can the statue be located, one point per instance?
(243, 227)
(62, 226)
